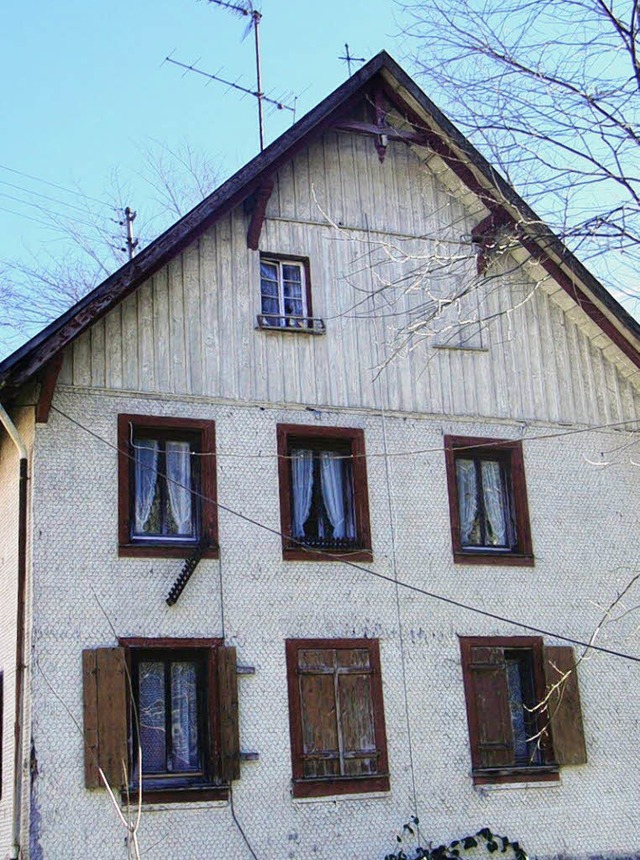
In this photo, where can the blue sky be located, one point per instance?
(84, 84)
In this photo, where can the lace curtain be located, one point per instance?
(333, 475)
(146, 475)
(178, 457)
(302, 487)
(467, 498)
(494, 503)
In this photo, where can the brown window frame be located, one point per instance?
(322, 786)
(509, 452)
(183, 429)
(540, 722)
(292, 435)
(208, 786)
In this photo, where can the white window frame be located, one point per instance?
(284, 318)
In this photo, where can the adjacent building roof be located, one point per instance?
(430, 128)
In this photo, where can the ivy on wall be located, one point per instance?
(480, 844)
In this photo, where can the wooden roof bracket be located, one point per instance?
(258, 211)
(484, 235)
(47, 388)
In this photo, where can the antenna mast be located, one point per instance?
(247, 8)
(131, 243)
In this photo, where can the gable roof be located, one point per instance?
(436, 132)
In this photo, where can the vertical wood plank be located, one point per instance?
(229, 725)
(564, 708)
(90, 713)
(112, 714)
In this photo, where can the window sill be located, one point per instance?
(500, 776)
(190, 794)
(160, 550)
(301, 553)
(308, 325)
(513, 559)
(336, 787)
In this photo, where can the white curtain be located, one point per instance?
(151, 717)
(302, 486)
(146, 469)
(178, 456)
(494, 503)
(184, 718)
(467, 499)
(336, 486)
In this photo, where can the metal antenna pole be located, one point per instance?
(132, 244)
(256, 29)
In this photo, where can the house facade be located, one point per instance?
(324, 494)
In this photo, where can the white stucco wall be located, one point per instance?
(585, 537)
(9, 498)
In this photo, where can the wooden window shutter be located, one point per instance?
(105, 716)
(564, 707)
(228, 713)
(488, 709)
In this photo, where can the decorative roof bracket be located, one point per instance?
(258, 208)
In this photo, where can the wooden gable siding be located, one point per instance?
(191, 328)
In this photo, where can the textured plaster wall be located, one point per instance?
(585, 536)
(9, 489)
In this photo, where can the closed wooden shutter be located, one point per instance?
(228, 712)
(105, 716)
(488, 711)
(564, 708)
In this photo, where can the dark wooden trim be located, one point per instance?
(47, 388)
(294, 258)
(304, 787)
(208, 648)
(205, 430)
(511, 452)
(517, 775)
(262, 196)
(292, 550)
(194, 794)
(391, 132)
(167, 642)
(548, 771)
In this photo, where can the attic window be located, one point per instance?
(285, 295)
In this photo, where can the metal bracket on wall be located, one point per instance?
(188, 567)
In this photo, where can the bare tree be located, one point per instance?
(550, 91)
(41, 284)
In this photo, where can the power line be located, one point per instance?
(450, 601)
(56, 185)
(51, 212)
(24, 190)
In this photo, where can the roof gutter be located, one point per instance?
(12, 430)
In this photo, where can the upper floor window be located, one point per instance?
(488, 501)
(323, 491)
(285, 294)
(167, 485)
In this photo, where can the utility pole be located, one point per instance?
(131, 243)
(256, 16)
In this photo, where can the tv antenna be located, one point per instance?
(244, 8)
(347, 57)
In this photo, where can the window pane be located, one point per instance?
(521, 701)
(146, 487)
(268, 271)
(180, 500)
(184, 718)
(470, 533)
(152, 716)
(292, 273)
(495, 498)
